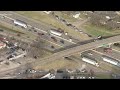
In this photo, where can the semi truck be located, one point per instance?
(20, 23)
(56, 32)
(90, 61)
(110, 60)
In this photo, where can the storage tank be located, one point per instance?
(20, 23)
(90, 61)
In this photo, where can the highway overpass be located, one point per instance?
(80, 48)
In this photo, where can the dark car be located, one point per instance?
(54, 39)
(40, 34)
(52, 47)
(62, 41)
(1, 30)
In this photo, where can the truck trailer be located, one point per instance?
(20, 23)
(56, 32)
(90, 61)
(110, 60)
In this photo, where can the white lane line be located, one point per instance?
(63, 38)
(8, 17)
(41, 30)
(5, 14)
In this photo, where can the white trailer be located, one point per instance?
(110, 60)
(20, 23)
(55, 32)
(90, 61)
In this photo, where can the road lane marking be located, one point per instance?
(52, 42)
(41, 30)
(63, 38)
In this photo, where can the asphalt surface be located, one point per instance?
(40, 27)
(70, 51)
(73, 50)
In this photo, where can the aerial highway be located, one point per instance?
(71, 51)
(62, 53)
(40, 26)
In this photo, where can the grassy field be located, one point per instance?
(96, 31)
(69, 18)
(10, 28)
(50, 20)
(103, 76)
(58, 64)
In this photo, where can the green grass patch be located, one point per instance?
(103, 76)
(11, 30)
(96, 31)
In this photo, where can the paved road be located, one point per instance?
(31, 22)
(73, 50)
(38, 25)
(103, 65)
